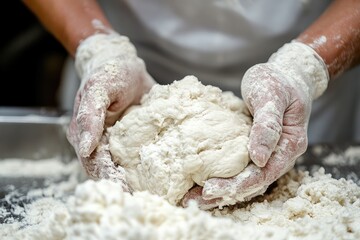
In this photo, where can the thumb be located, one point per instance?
(267, 99)
(90, 120)
(265, 132)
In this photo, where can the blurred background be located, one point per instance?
(31, 60)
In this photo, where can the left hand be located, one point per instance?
(279, 95)
(99, 165)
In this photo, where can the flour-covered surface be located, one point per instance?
(29, 187)
(342, 161)
(298, 206)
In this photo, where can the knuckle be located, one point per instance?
(274, 126)
(81, 117)
(268, 131)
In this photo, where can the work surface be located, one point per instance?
(33, 190)
(35, 183)
(342, 161)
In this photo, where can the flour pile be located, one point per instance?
(299, 207)
(181, 134)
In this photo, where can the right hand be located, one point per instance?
(112, 79)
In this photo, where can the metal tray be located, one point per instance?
(34, 134)
(31, 134)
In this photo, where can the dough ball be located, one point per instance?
(181, 134)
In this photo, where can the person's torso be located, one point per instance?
(210, 38)
(217, 40)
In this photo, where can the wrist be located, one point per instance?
(303, 65)
(73, 39)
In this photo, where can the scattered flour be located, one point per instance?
(181, 134)
(350, 157)
(30, 194)
(318, 42)
(39, 168)
(300, 206)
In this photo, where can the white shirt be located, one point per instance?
(216, 40)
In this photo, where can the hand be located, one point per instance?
(112, 78)
(279, 95)
(100, 166)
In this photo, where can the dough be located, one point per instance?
(181, 134)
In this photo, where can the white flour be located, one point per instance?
(39, 168)
(299, 207)
(350, 157)
(337, 160)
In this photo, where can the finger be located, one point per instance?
(90, 119)
(104, 99)
(230, 188)
(124, 89)
(292, 144)
(72, 131)
(195, 194)
(265, 132)
(266, 98)
(254, 180)
(100, 166)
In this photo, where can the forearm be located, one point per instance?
(70, 21)
(335, 36)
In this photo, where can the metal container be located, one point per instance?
(28, 133)
(31, 135)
